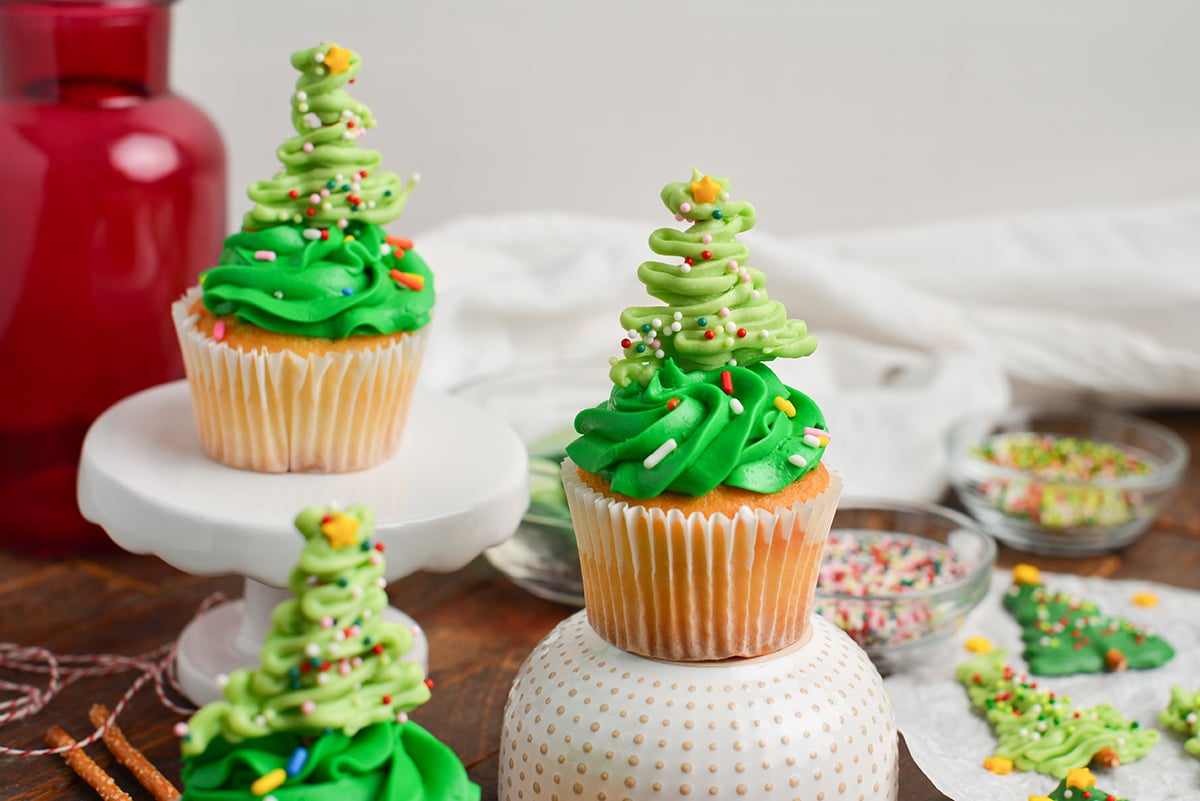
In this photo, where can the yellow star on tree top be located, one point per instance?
(705, 190)
(337, 59)
(341, 530)
(1080, 778)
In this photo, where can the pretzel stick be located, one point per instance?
(83, 765)
(130, 757)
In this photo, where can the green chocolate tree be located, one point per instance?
(1037, 730)
(717, 311)
(333, 684)
(1065, 635)
(1182, 715)
(327, 179)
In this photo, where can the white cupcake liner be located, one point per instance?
(286, 412)
(698, 587)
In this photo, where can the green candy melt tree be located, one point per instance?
(1040, 731)
(1182, 715)
(717, 310)
(326, 713)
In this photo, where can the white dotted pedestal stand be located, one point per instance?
(588, 721)
(457, 486)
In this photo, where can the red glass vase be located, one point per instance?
(112, 199)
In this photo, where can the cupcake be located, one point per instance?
(697, 491)
(303, 345)
(326, 715)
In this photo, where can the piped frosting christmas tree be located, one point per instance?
(1065, 635)
(1041, 731)
(1078, 785)
(325, 716)
(1182, 715)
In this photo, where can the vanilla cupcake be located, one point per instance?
(303, 346)
(697, 491)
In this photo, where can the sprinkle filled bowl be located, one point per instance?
(1064, 482)
(900, 578)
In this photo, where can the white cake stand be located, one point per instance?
(458, 485)
(586, 720)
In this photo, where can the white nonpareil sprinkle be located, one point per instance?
(659, 354)
(754, 293)
(676, 326)
(677, 316)
(731, 326)
(278, 295)
(736, 406)
(811, 441)
(312, 233)
(312, 649)
(657, 323)
(763, 334)
(685, 268)
(798, 460)
(660, 453)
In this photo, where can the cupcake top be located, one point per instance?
(312, 259)
(694, 406)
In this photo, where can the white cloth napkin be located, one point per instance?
(917, 326)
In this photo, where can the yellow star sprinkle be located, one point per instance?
(1146, 599)
(1040, 798)
(998, 765)
(978, 645)
(341, 530)
(1026, 574)
(1080, 778)
(705, 190)
(337, 59)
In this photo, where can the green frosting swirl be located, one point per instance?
(1182, 715)
(741, 438)
(334, 287)
(329, 661)
(324, 157)
(718, 312)
(1044, 732)
(383, 762)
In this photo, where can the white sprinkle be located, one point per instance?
(302, 107)
(264, 255)
(278, 295)
(222, 679)
(308, 147)
(633, 333)
(370, 204)
(754, 294)
(736, 406)
(657, 323)
(260, 720)
(685, 268)
(797, 460)
(724, 312)
(401, 717)
(348, 135)
(676, 326)
(312, 649)
(312, 233)
(366, 613)
(322, 678)
(812, 441)
(283, 216)
(731, 326)
(342, 223)
(724, 196)
(339, 177)
(339, 635)
(319, 71)
(296, 218)
(302, 95)
(659, 354)
(763, 334)
(706, 238)
(415, 178)
(319, 57)
(381, 582)
(677, 316)
(660, 453)
(650, 335)
(731, 362)
(356, 592)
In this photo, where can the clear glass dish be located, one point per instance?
(899, 626)
(540, 402)
(1064, 482)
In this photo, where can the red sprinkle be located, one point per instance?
(294, 194)
(706, 255)
(741, 332)
(387, 699)
(324, 234)
(350, 124)
(688, 261)
(625, 343)
(726, 381)
(362, 173)
(672, 403)
(310, 211)
(377, 650)
(709, 334)
(379, 546)
(429, 683)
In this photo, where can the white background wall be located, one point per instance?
(825, 113)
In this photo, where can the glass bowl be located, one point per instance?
(540, 403)
(900, 577)
(1064, 482)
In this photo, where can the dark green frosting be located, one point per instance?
(384, 762)
(760, 449)
(304, 289)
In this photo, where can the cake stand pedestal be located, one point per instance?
(457, 486)
(587, 720)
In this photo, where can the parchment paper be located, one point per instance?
(949, 741)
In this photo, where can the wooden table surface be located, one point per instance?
(480, 627)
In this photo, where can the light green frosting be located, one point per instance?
(741, 438)
(1044, 732)
(326, 117)
(327, 647)
(335, 287)
(1182, 715)
(718, 293)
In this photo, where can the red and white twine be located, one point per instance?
(63, 670)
